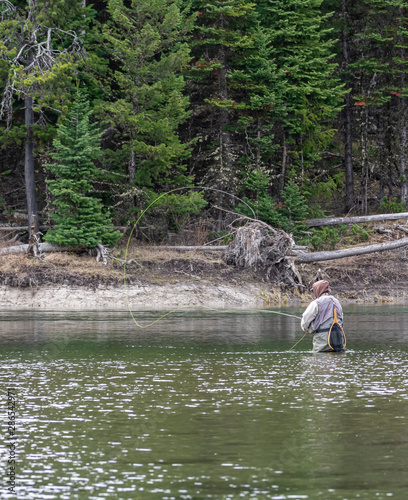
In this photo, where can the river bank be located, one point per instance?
(165, 279)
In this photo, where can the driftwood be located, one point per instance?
(350, 252)
(209, 248)
(402, 228)
(45, 228)
(37, 249)
(264, 249)
(43, 247)
(202, 248)
(333, 221)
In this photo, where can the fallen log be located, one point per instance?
(403, 229)
(350, 252)
(179, 248)
(208, 248)
(333, 221)
(102, 253)
(46, 228)
(44, 247)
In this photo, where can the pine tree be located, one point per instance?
(223, 48)
(80, 217)
(146, 42)
(379, 79)
(39, 53)
(302, 49)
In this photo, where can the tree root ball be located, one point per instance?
(264, 249)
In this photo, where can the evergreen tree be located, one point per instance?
(379, 69)
(302, 49)
(148, 105)
(224, 72)
(80, 217)
(39, 50)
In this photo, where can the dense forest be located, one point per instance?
(278, 109)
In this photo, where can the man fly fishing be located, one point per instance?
(323, 318)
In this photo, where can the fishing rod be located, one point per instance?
(191, 305)
(142, 327)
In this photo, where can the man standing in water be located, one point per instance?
(319, 316)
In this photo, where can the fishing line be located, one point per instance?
(190, 305)
(300, 340)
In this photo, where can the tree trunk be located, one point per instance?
(283, 171)
(350, 252)
(403, 154)
(348, 135)
(333, 221)
(224, 135)
(132, 167)
(29, 173)
(364, 160)
(44, 247)
(403, 134)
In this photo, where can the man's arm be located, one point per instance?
(308, 316)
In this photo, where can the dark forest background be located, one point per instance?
(297, 108)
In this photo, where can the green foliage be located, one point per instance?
(325, 190)
(355, 234)
(323, 239)
(235, 88)
(302, 51)
(282, 215)
(80, 217)
(323, 194)
(327, 238)
(149, 104)
(392, 206)
(178, 208)
(294, 207)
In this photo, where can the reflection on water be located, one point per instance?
(205, 405)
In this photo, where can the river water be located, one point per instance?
(203, 405)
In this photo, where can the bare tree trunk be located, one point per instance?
(364, 159)
(132, 167)
(348, 135)
(382, 152)
(403, 154)
(29, 172)
(284, 157)
(44, 247)
(224, 135)
(350, 252)
(258, 146)
(333, 221)
(403, 125)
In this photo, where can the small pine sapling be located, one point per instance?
(81, 220)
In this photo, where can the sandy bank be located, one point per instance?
(144, 296)
(165, 280)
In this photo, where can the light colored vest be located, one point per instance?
(324, 316)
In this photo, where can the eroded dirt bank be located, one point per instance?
(167, 279)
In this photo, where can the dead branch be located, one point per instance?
(246, 218)
(202, 248)
(187, 274)
(254, 247)
(38, 52)
(350, 252)
(122, 261)
(332, 221)
(34, 246)
(43, 247)
(402, 228)
(104, 253)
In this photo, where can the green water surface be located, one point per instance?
(204, 405)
